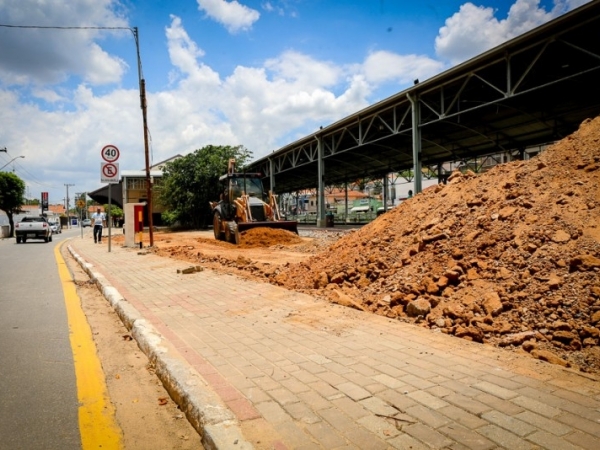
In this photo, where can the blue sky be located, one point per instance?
(255, 73)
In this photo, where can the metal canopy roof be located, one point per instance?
(534, 89)
(101, 195)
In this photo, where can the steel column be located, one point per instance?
(272, 175)
(416, 141)
(321, 188)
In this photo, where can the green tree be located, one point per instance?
(12, 190)
(115, 212)
(189, 183)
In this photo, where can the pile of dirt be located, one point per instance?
(260, 252)
(267, 237)
(510, 257)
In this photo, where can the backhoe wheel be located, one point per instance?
(218, 227)
(232, 233)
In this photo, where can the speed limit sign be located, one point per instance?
(110, 153)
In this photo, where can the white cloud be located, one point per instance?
(302, 70)
(263, 106)
(52, 58)
(233, 15)
(48, 95)
(253, 106)
(63, 146)
(383, 66)
(281, 8)
(182, 50)
(475, 29)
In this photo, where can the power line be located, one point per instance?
(47, 27)
(65, 28)
(31, 178)
(142, 83)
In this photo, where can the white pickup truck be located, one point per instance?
(33, 228)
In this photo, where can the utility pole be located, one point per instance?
(68, 219)
(142, 82)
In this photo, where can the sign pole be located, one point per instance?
(109, 210)
(109, 172)
(80, 205)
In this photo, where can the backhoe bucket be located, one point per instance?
(290, 225)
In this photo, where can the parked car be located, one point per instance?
(31, 227)
(86, 223)
(55, 226)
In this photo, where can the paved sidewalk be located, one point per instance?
(253, 362)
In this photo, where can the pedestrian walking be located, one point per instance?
(98, 220)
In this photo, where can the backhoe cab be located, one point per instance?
(244, 205)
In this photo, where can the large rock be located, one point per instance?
(516, 338)
(561, 237)
(564, 336)
(442, 282)
(506, 212)
(338, 278)
(550, 357)
(418, 307)
(321, 280)
(345, 300)
(584, 262)
(590, 331)
(492, 303)
(430, 286)
(470, 333)
(454, 273)
(560, 325)
(554, 281)
(454, 311)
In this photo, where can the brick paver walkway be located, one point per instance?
(318, 375)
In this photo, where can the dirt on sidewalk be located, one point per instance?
(510, 257)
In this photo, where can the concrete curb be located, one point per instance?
(211, 418)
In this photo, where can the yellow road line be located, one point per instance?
(97, 423)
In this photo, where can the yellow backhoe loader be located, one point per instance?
(244, 205)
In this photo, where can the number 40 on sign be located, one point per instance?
(110, 153)
(109, 170)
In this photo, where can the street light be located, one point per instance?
(16, 157)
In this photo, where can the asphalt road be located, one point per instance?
(38, 394)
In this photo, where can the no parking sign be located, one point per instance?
(109, 170)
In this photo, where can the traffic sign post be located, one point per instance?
(109, 173)
(81, 204)
(110, 153)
